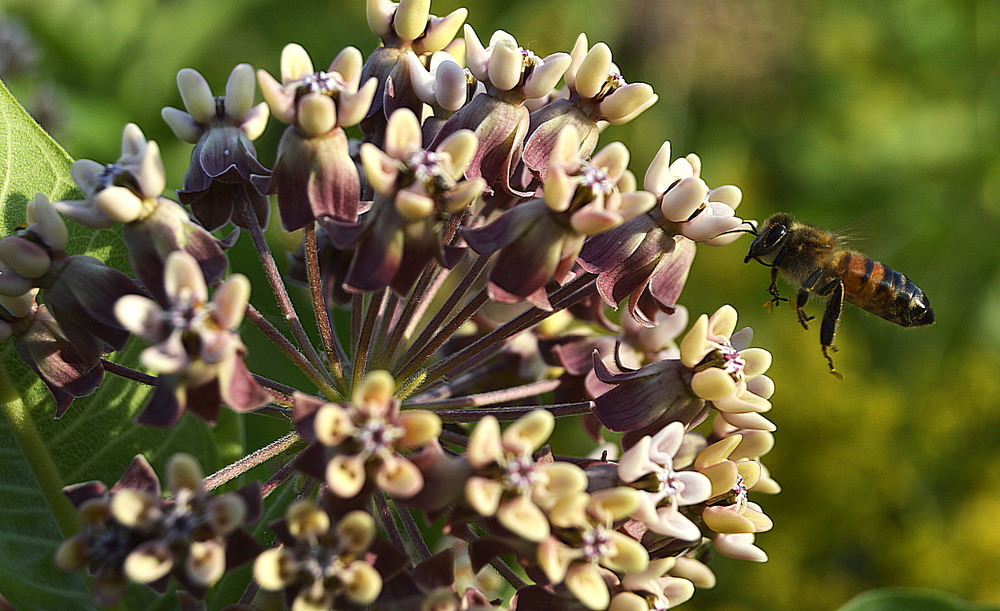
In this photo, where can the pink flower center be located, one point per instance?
(521, 474)
(739, 493)
(426, 165)
(732, 362)
(670, 486)
(595, 179)
(377, 436)
(596, 544)
(327, 83)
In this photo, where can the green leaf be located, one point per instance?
(911, 599)
(96, 439)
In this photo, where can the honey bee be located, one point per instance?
(817, 261)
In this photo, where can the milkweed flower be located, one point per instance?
(498, 116)
(129, 192)
(359, 444)
(131, 533)
(79, 291)
(196, 350)
(314, 175)
(224, 176)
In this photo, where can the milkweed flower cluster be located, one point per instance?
(451, 195)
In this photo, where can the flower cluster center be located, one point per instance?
(521, 473)
(596, 179)
(326, 83)
(377, 436)
(596, 544)
(426, 165)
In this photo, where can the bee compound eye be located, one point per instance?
(775, 235)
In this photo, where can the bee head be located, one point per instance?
(770, 237)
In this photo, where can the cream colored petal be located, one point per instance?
(316, 114)
(723, 476)
(295, 63)
(461, 147)
(345, 475)
(713, 384)
(362, 582)
(585, 581)
(557, 479)
(726, 519)
(274, 569)
(306, 519)
(230, 301)
(569, 511)
(485, 445)
(544, 78)
(593, 71)
(613, 504)
(47, 222)
(379, 16)
(441, 31)
(483, 495)
(352, 107)
(627, 102)
(148, 562)
(506, 65)
(694, 346)
(411, 18)
(239, 92)
(356, 530)
(206, 562)
(523, 518)
(717, 452)
(197, 95)
(627, 555)
(529, 432)
(183, 279)
(119, 204)
(184, 473)
(182, 124)
(402, 134)
(348, 64)
(281, 103)
(399, 477)
(420, 428)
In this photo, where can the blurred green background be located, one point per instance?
(880, 119)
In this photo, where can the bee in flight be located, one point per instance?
(817, 261)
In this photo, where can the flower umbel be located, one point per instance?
(463, 244)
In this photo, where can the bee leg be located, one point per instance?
(831, 316)
(776, 297)
(803, 297)
(800, 302)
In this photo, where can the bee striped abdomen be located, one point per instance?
(881, 290)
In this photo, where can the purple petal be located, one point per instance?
(610, 249)
(165, 405)
(139, 476)
(667, 281)
(543, 130)
(238, 388)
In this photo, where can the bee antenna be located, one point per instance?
(750, 228)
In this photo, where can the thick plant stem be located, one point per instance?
(509, 414)
(560, 299)
(365, 337)
(431, 332)
(250, 461)
(490, 398)
(335, 354)
(300, 361)
(280, 293)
